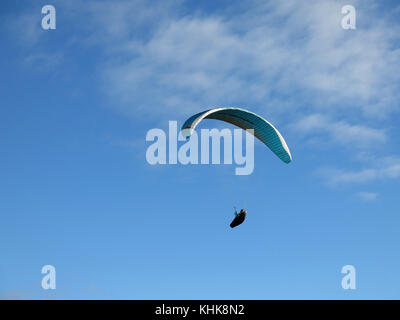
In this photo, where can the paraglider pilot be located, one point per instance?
(239, 218)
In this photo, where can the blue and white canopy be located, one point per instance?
(263, 130)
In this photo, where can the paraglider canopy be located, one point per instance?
(262, 129)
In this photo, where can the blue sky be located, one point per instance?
(77, 192)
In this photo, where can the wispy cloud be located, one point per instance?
(352, 136)
(46, 61)
(381, 171)
(266, 56)
(278, 57)
(367, 196)
(13, 295)
(25, 28)
(289, 60)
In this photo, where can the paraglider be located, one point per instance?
(239, 218)
(262, 129)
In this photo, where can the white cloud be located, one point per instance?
(44, 61)
(380, 172)
(276, 57)
(367, 196)
(264, 55)
(289, 60)
(337, 176)
(25, 28)
(352, 136)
